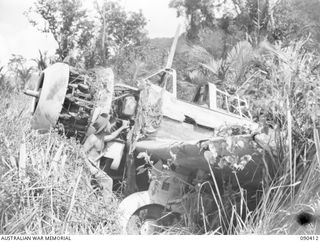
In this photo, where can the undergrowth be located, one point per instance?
(45, 186)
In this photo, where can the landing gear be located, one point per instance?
(145, 220)
(150, 219)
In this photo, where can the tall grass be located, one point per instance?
(291, 87)
(45, 188)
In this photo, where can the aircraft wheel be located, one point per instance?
(150, 219)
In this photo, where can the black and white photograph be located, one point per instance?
(159, 117)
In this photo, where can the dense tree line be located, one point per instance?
(108, 35)
(230, 35)
(105, 35)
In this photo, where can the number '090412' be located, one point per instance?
(309, 237)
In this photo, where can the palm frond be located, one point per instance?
(200, 54)
(214, 66)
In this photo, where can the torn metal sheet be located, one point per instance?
(181, 120)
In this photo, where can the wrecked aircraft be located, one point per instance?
(171, 150)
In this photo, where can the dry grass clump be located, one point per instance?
(45, 187)
(292, 105)
(283, 202)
